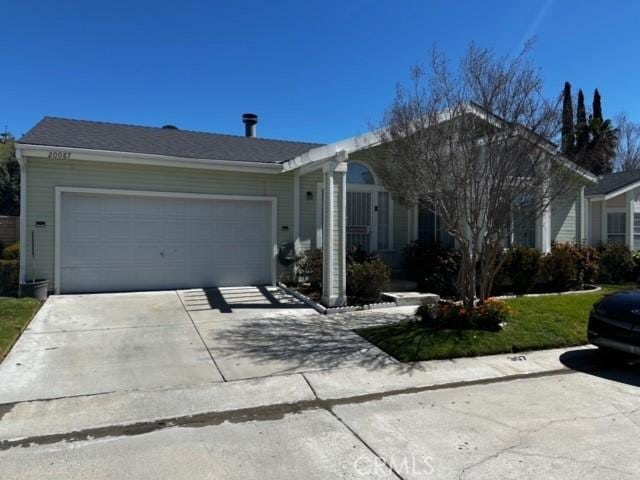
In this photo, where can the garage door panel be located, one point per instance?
(86, 204)
(116, 230)
(201, 231)
(116, 205)
(119, 243)
(150, 230)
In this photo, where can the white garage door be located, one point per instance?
(120, 243)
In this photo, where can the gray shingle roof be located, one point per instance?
(612, 182)
(64, 132)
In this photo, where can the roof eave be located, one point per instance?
(112, 156)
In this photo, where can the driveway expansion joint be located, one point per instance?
(215, 364)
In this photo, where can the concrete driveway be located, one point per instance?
(563, 425)
(90, 344)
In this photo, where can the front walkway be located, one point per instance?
(90, 344)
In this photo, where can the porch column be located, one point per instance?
(334, 258)
(296, 217)
(543, 235)
(583, 218)
(630, 198)
(604, 235)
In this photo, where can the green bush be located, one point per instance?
(616, 263)
(366, 280)
(587, 264)
(522, 265)
(560, 267)
(489, 315)
(11, 252)
(435, 269)
(9, 270)
(309, 268)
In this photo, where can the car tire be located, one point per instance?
(611, 354)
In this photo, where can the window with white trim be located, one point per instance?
(616, 227)
(636, 231)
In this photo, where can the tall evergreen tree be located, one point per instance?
(568, 134)
(582, 134)
(9, 177)
(597, 106)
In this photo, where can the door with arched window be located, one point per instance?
(369, 211)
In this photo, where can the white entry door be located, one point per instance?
(128, 242)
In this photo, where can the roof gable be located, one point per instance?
(612, 182)
(63, 132)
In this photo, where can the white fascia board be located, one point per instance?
(325, 152)
(622, 190)
(42, 151)
(576, 168)
(594, 198)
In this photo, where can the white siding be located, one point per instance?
(44, 175)
(564, 218)
(309, 183)
(595, 223)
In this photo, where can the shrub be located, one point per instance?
(489, 315)
(9, 270)
(366, 280)
(522, 265)
(587, 264)
(560, 267)
(359, 255)
(11, 252)
(309, 268)
(435, 269)
(616, 263)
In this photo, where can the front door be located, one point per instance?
(359, 224)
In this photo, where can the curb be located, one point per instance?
(330, 310)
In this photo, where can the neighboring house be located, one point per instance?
(116, 207)
(614, 209)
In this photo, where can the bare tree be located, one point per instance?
(628, 149)
(471, 144)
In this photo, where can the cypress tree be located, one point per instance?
(597, 106)
(582, 131)
(568, 134)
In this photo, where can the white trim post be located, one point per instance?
(543, 233)
(630, 198)
(296, 217)
(334, 258)
(583, 218)
(604, 231)
(22, 161)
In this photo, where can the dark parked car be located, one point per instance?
(614, 323)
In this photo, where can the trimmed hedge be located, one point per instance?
(366, 280)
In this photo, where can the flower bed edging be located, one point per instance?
(568, 292)
(326, 311)
(303, 298)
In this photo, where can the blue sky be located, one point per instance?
(313, 70)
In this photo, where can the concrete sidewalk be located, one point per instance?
(46, 421)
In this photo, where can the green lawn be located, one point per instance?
(537, 323)
(15, 314)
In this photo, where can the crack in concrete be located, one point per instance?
(523, 435)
